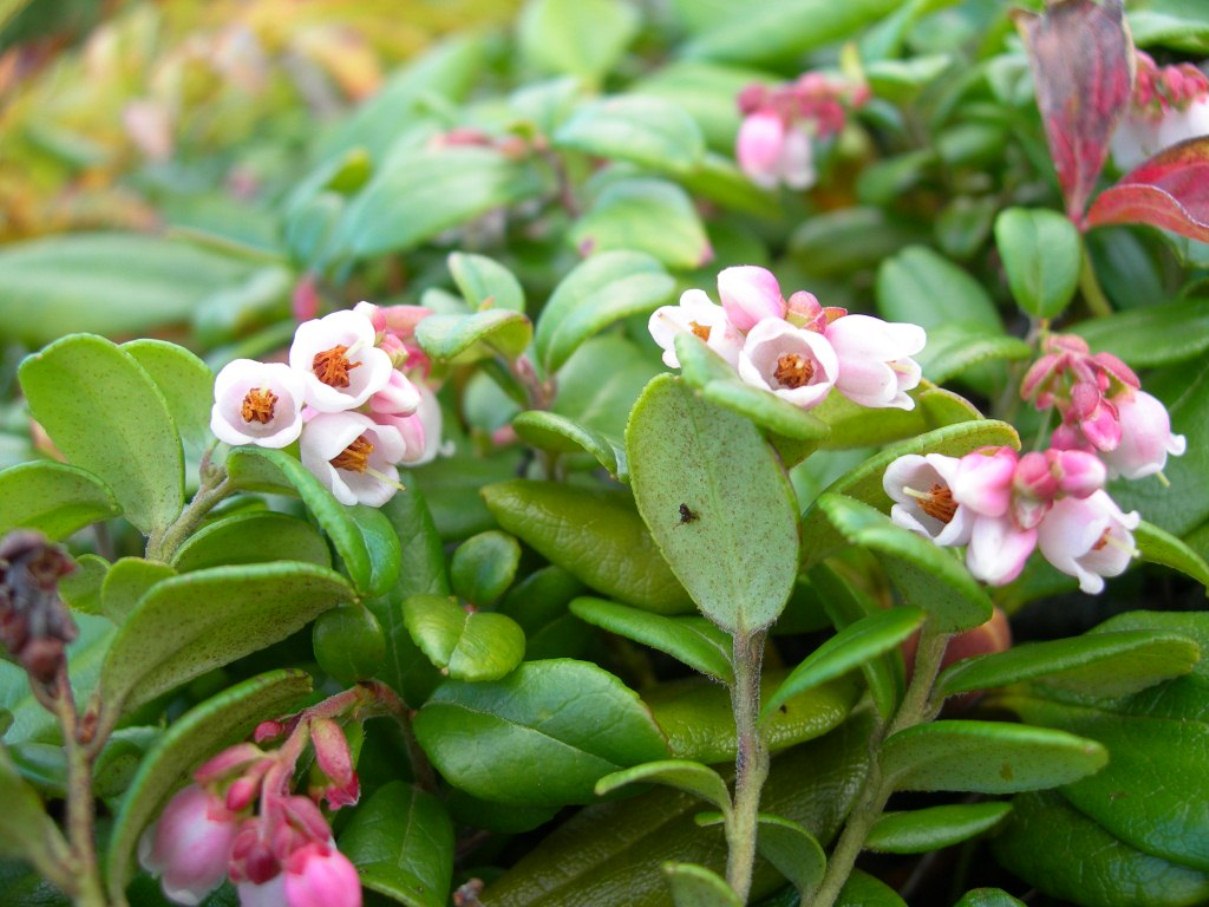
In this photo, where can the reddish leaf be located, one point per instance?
(1171, 190)
(1082, 64)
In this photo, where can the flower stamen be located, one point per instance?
(258, 405)
(793, 370)
(332, 366)
(699, 330)
(937, 502)
(355, 457)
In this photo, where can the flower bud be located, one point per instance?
(1146, 437)
(318, 875)
(190, 846)
(750, 294)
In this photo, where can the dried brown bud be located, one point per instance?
(35, 625)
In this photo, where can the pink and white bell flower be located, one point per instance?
(876, 368)
(749, 294)
(1043, 477)
(921, 487)
(772, 151)
(696, 314)
(1146, 438)
(399, 397)
(983, 481)
(353, 456)
(798, 366)
(421, 431)
(257, 403)
(340, 365)
(998, 549)
(318, 875)
(189, 846)
(1088, 538)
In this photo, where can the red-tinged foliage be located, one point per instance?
(1171, 190)
(1082, 64)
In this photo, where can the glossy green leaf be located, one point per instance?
(643, 130)
(1104, 664)
(852, 647)
(474, 646)
(988, 897)
(186, 383)
(598, 385)
(274, 471)
(484, 566)
(963, 225)
(425, 191)
(600, 291)
(902, 80)
(987, 757)
(920, 286)
(864, 890)
(189, 624)
(252, 537)
(648, 215)
(486, 738)
(126, 582)
(53, 498)
(692, 777)
(561, 435)
(26, 831)
(1158, 547)
(956, 346)
(793, 850)
(465, 338)
(736, 554)
(582, 38)
(693, 640)
(1041, 254)
(452, 488)
(349, 643)
(381, 545)
(718, 179)
(485, 283)
(594, 534)
(934, 827)
(1151, 336)
(852, 425)
(81, 588)
(104, 412)
(696, 886)
(401, 841)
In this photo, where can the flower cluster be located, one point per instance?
(1169, 104)
(347, 395)
(795, 348)
(779, 125)
(239, 820)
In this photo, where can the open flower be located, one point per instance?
(875, 364)
(190, 845)
(695, 314)
(353, 456)
(257, 403)
(1088, 538)
(921, 487)
(998, 549)
(797, 365)
(1146, 437)
(340, 365)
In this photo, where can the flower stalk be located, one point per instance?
(751, 762)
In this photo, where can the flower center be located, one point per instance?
(793, 370)
(332, 366)
(937, 503)
(355, 457)
(1103, 540)
(699, 330)
(258, 405)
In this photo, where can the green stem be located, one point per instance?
(915, 709)
(88, 890)
(1089, 285)
(751, 762)
(215, 487)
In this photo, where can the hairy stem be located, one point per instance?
(751, 762)
(215, 487)
(87, 889)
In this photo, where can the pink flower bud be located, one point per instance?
(340, 366)
(190, 845)
(231, 761)
(318, 875)
(1146, 438)
(998, 549)
(1095, 417)
(798, 366)
(771, 152)
(922, 489)
(353, 456)
(1088, 538)
(304, 301)
(1078, 473)
(696, 315)
(874, 360)
(984, 480)
(336, 761)
(420, 432)
(257, 403)
(750, 294)
(398, 398)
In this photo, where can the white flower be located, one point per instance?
(257, 403)
(339, 363)
(874, 359)
(998, 549)
(922, 489)
(353, 456)
(695, 314)
(1088, 538)
(1143, 133)
(1146, 437)
(795, 364)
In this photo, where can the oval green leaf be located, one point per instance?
(53, 498)
(254, 537)
(126, 582)
(560, 435)
(691, 777)
(467, 338)
(186, 383)
(696, 886)
(484, 566)
(1041, 254)
(485, 283)
(1151, 336)
(475, 646)
(793, 850)
(648, 215)
(582, 38)
(934, 827)
(644, 130)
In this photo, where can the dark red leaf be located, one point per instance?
(1171, 190)
(1082, 64)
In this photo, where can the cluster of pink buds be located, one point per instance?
(1169, 104)
(779, 125)
(240, 820)
(347, 395)
(795, 348)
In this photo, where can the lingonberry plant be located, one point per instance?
(690, 454)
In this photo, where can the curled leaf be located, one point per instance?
(1171, 190)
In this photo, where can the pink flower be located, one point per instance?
(922, 489)
(353, 456)
(1088, 538)
(318, 875)
(697, 315)
(399, 397)
(771, 152)
(421, 431)
(798, 366)
(998, 549)
(1170, 104)
(336, 761)
(190, 845)
(257, 403)
(340, 365)
(874, 359)
(750, 294)
(1146, 437)
(984, 480)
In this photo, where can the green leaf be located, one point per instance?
(401, 841)
(1041, 255)
(104, 412)
(190, 740)
(600, 291)
(486, 738)
(648, 215)
(127, 581)
(26, 831)
(736, 554)
(112, 283)
(53, 498)
(835, 243)
(935, 827)
(793, 850)
(189, 624)
(952, 348)
(718, 179)
(81, 589)
(1154, 335)
(1158, 547)
(274, 471)
(692, 640)
(484, 566)
(186, 383)
(707, 91)
(558, 434)
(467, 338)
(853, 646)
(485, 283)
(852, 425)
(349, 643)
(1105, 664)
(425, 191)
(595, 534)
(382, 547)
(474, 646)
(692, 777)
(864, 890)
(899, 81)
(584, 38)
(643, 130)
(920, 286)
(988, 897)
(926, 575)
(696, 886)
(252, 537)
(988, 757)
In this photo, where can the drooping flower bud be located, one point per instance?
(750, 294)
(190, 845)
(1146, 439)
(318, 875)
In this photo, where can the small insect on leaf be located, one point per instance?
(687, 514)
